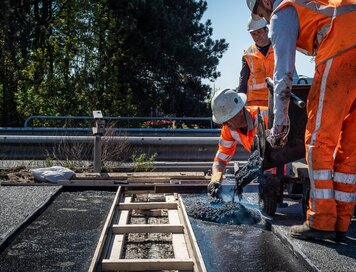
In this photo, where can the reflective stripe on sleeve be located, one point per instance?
(219, 164)
(236, 136)
(345, 197)
(345, 178)
(223, 156)
(225, 143)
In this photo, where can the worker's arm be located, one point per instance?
(244, 75)
(227, 147)
(284, 34)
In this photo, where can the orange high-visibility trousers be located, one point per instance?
(331, 143)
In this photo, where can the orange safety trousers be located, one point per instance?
(331, 143)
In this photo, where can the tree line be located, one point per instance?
(124, 57)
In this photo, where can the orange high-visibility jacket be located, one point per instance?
(229, 138)
(317, 18)
(260, 67)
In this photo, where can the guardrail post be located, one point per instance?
(98, 132)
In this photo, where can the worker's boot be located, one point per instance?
(305, 232)
(340, 236)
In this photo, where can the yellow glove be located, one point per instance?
(214, 185)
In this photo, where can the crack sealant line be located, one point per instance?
(10, 235)
(295, 249)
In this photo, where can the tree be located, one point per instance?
(167, 51)
(127, 57)
(14, 42)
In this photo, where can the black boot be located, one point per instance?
(340, 236)
(305, 232)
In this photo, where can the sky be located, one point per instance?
(229, 21)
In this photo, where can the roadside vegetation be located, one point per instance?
(126, 58)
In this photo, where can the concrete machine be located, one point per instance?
(291, 170)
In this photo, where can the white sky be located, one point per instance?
(229, 21)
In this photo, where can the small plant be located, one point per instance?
(143, 162)
(49, 162)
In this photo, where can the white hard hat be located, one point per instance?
(251, 4)
(253, 24)
(226, 104)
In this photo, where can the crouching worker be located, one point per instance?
(238, 127)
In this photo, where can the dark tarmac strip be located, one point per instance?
(19, 205)
(63, 237)
(318, 255)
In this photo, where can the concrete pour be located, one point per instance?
(230, 213)
(241, 246)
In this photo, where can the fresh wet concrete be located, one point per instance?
(230, 213)
(256, 249)
(240, 247)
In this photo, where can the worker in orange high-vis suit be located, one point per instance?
(257, 64)
(327, 30)
(238, 126)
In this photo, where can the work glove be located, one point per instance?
(277, 136)
(214, 186)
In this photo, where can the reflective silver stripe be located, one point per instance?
(345, 197)
(257, 86)
(322, 174)
(325, 10)
(223, 156)
(225, 143)
(236, 136)
(317, 126)
(322, 194)
(252, 70)
(345, 178)
(219, 164)
(344, 9)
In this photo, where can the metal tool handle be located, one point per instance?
(296, 100)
